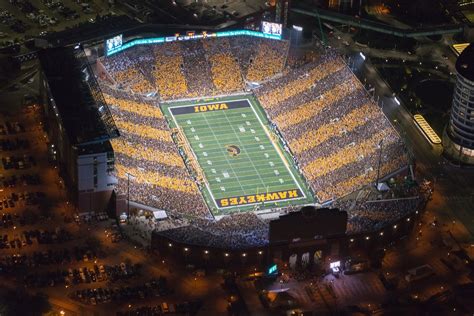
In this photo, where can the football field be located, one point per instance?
(243, 164)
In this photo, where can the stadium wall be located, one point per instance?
(331, 248)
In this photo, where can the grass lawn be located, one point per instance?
(243, 162)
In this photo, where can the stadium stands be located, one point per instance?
(127, 72)
(331, 126)
(235, 231)
(198, 68)
(372, 216)
(246, 230)
(226, 74)
(333, 130)
(269, 60)
(146, 152)
(168, 74)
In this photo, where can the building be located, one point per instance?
(459, 134)
(80, 127)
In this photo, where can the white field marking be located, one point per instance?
(196, 104)
(213, 170)
(257, 138)
(271, 163)
(189, 122)
(219, 143)
(204, 154)
(246, 153)
(278, 151)
(195, 157)
(266, 155)
(242, 129)
(247, 123)
(209, 162)
(201, 145)
(252, 131)
(276, 172)
(218, 179)
(196, 137)
(193, 129)
(262, 147)
(225, 174)
(281, 180)
(259, 203)
(222, 188)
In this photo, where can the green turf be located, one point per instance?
(244, 165)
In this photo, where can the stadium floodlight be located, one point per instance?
(362, 55)
(397, 101)
(297, 28)
(335, 266)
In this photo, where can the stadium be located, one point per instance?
(228, 131)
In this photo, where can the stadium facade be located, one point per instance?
(324, 239)
(459, 136)
(79, 127)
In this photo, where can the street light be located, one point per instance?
(128, 192)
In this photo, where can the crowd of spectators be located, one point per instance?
(196, 68)
(269, 60)
(333, 129)
(240, 230)
(339, 138)
(370, 216)
(127, 72)
(145, 154)
(226, 74)
(168, 71)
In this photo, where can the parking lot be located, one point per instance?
(81, 261)
(20, 19)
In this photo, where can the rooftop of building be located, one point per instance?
(465, 63)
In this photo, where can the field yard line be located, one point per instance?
(277, 149)
(228, 162)
(249, 99)
(255, 168)
(195, 157)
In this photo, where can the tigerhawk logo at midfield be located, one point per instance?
(211, 107)
(233, 150)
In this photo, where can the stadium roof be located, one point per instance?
(465, 63)
(78, 100)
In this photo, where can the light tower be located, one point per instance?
(458, 138)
